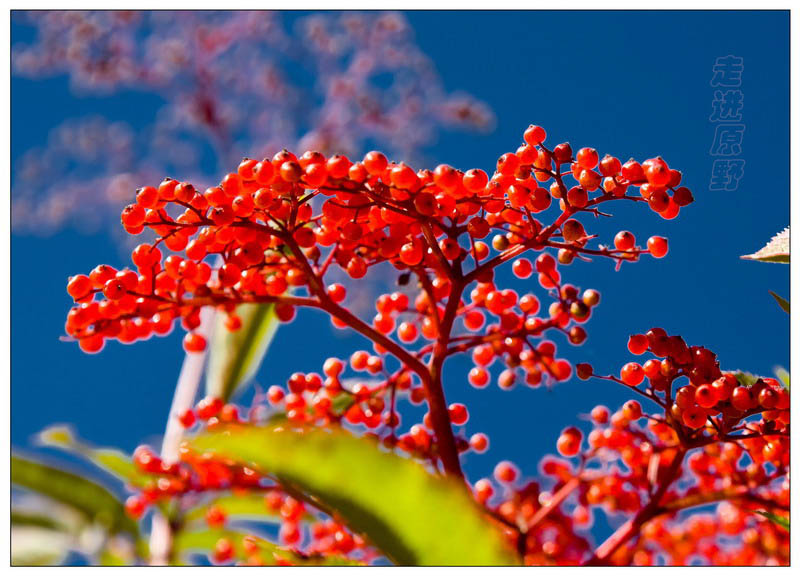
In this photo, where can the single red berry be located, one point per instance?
(705, 396)
(534, 135)
(506, 472)
(522, 268)
(638, 344)
(187, 418)
(569, 443)
(693, 417)
(458, 413)
(223, 550)
(587, 158)
(135, 506)
(658, 246)
(194, 343)
(742, 398)
(632, 374)
(79, 286)
(624, 240)
(215, 516)
(479, 442)
(375, 162)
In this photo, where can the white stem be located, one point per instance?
(183, 399)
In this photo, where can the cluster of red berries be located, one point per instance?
(206, 474)
(737, 456)
(711, 400)
(275, 227)
(541, 533)
(263, 222)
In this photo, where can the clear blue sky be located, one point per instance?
(631, 84)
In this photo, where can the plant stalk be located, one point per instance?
(183, 399)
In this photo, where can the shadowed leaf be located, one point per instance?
(111, 460)
(234, 357)
(782, 302)
(94, 501)
(777, 519)
(410, 515)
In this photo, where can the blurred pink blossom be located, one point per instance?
(235, 83)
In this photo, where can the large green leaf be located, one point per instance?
(95, 502)
(412, 516)
(235, 357)
(776, 250)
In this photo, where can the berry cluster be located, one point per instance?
(274, 230)
(276, 227)
(228, 83)
(203, 476)
(736, 456)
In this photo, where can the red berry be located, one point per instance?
(534, 135)
(187, 418)
(194, 343)
(215, 516)
(705, 396)
(522, 268)
(135, 506)
(693, 417)
(624, 240)
(569, 443)
(505, 472)
(587, 158)
(632, 374)
(657, 245)
(223, 550)
(375, 162)
(479, 442)
(638, 344)
(458, 413)
(79, 286)
(742, 398)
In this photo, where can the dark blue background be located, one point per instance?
(630, 84)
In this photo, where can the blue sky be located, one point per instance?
(630, 84)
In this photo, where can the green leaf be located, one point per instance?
(245, 506)
(783, 375)
(412, 516)
(777, 519)
(204, 540)
(746, 379)
(94, 501)
(111, 460)
(782, 302)
(235, 357)
(776, 250)
(22, 517)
